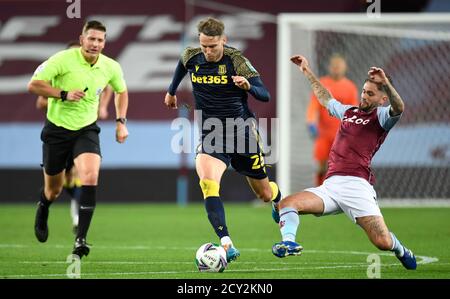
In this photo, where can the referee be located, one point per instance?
(73, 80)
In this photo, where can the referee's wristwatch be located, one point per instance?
(121, 120)
(63, 95)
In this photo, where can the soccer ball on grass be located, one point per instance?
(211, 257)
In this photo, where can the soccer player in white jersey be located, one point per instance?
(348, 185)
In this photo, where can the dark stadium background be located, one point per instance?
(132, 172)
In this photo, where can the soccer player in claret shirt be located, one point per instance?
(322, 126)
(221, 79)
(348, 184)
(73, 80)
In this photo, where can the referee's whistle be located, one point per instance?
(86, 89)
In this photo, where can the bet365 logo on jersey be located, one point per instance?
(210, 79)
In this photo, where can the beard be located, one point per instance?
(366, 107)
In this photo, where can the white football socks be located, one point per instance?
(226, 241)
(397, 247)
(289, 222)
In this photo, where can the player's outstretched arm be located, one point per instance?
(170, 100)
(378, 75)
(322, 94)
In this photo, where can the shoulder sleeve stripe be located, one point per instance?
(242, 65)
(188, 53)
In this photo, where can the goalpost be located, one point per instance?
(414, 161)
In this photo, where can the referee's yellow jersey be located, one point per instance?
(69, 71)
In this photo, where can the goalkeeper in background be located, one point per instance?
(348, 186)
(321, 126)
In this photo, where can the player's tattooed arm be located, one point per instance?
(397, 106)
(322, 94)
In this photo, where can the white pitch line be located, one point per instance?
(85, 262)
(69, 247)
(102, 274)
(185, 272)
(424, 259)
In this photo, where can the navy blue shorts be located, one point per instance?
(249, 164)
(236, 144)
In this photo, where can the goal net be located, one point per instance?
(414, 161)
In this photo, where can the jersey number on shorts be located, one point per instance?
(258, 161)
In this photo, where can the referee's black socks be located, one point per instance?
(86, 210)
(43, 200)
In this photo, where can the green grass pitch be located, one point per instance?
(159, 241)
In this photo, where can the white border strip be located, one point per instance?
(283, 106)
(349, 18)
(434, 35)
(405, 203)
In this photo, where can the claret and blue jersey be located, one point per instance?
(359, 137)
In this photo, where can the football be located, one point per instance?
(211, 257)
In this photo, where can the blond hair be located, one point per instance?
(211, 27)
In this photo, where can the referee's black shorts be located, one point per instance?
(61, 146)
